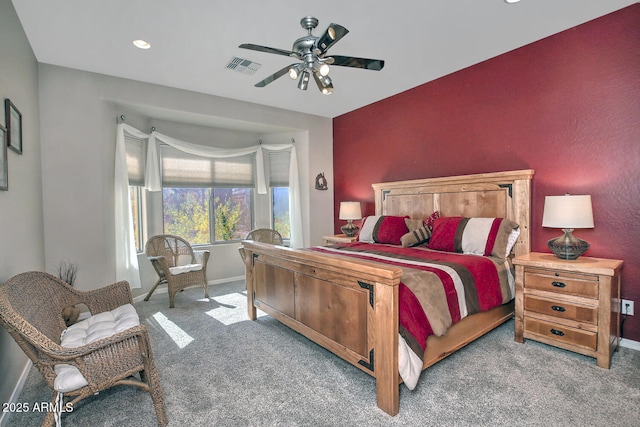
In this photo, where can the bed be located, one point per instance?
(350, 305)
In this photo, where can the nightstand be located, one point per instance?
(338, 238)
(574, 305)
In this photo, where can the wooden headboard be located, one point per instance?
(499, 194)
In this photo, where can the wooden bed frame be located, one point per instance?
(350, 306)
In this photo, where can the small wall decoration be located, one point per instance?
(4, 174)
(321, 182)
(13, 121)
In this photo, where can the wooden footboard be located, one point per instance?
(348, 306)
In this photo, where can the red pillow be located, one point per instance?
(390, 229)
(383, 229)
(480, 236)
(444, 234)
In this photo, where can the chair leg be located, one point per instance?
(153, 289)
(49, 418)
(171, 297)
(151, 377)
(206, 289)
(155, 390)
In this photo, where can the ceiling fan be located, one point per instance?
(312, 52)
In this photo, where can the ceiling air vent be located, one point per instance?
(243, 65)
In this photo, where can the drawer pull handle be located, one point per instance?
(558, 284)
(557, 332)
(558, 308)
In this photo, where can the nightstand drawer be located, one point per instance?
(561, 333)
(561, 309)
(562, 282)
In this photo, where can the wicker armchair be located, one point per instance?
(264, 235)
(177, 264)
(31, 306)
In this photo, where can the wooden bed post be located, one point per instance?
(251, 308)
(519, 311)
(386, 348)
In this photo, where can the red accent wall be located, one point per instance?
(567, 106)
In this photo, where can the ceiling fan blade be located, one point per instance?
(274, 76)
(268, 49)
(350, 61)
(330, 37)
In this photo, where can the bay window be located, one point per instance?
(207, 200)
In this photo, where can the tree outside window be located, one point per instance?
(207, 215)
(281, 222)
(232, 213)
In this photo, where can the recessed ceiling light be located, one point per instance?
(142, 44)
(511, 1)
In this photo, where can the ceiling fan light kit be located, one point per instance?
(304, 80)
(295, 70)
(312, 52)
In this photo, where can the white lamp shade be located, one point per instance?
(350, 210)
(567, 211)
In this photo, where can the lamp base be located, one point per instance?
(349, 229)
(567, 246)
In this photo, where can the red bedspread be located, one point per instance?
(438, 288)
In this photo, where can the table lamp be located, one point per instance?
(350, 211)
(567, 212)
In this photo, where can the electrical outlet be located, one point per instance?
(627, 307)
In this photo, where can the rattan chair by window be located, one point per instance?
(264, 235)
(31, 306)
(177, 264)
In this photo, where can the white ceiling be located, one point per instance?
(193, 40)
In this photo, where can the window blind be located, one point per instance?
(279, 168)
(134, 148)
(180, 169)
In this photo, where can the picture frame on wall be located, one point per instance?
(4, 172)
(13, 123)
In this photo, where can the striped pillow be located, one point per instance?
(479, 236)
(383, 229)
(416, 237)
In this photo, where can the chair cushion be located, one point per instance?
(185, 268)
(94, 328)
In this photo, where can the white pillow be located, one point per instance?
(511, 240)
(97, 327)
(368, 225)
(476, 233)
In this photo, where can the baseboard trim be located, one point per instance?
(163, 290)
(4, 416)
(627, 343)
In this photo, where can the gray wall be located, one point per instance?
(60, 200)
(78, 118)
(21, 225)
